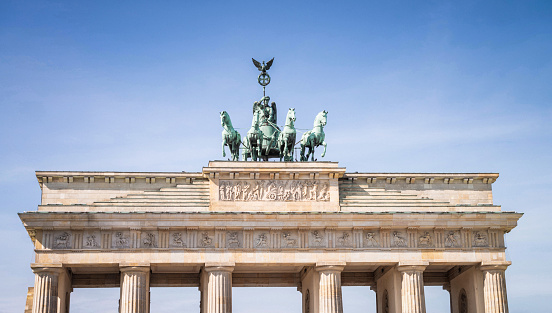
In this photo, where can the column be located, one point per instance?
(330, 300)
(494, 288)
(134, 289)
(46, 289)
(219, 289)
(412, 288)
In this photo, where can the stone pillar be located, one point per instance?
(494, 288)
(412, 288)
(134, 289)
(329, 293)
(46, 289)
(219, 289)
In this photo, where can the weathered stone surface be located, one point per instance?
(310, 225)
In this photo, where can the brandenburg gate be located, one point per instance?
(309, 225)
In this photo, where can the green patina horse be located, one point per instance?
(254, 140)
(315, 137)
(230, 137)
(286, 139)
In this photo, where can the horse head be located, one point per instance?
(290, 118)
(321, 119)
(255, 121)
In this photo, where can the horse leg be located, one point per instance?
(223, 143)
(311, 152)
(324, 152)
(302, 153)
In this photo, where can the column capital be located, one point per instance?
(135, 268)
(56, 268)
(412, 266)
(494, 266)
(219, 267)
(330, 266)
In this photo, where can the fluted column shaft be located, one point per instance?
(412, 289)
(494, 289)
(219, 289)
(135, 289)
(330, 299)
(45, 298)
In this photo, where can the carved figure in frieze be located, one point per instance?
(229, 192)
(398, 240)
(450, 240)
(480, 239)
(304, 190)
(371, 240)
(62, 241)
(149, 241)
(313, 190)
(233, 241)
(318, 238)
(237, 191)
(295, 191)
(256, 194)
(425, 240)
(177, 240)
(262, 240)
(344, 240)
(121, 241)
(271, 191)
(290, 242)
(222, 191)
(205, 240)
(245, 191)
(324, 192)
(91, 241)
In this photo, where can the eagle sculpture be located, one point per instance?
(263, 67)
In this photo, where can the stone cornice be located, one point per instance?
(505, 221)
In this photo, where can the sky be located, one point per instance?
(409, 86)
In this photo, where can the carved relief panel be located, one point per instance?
(371, 239)
(274, 190)
(452, 239)
(91, 239)
(290, 239)
(121, 240)
(344, 239)
(234, 239)
(205, 239)
(149, 239)
(398, 239)
(177, 239)
(318, 239)
(426, 239)
(480, 238)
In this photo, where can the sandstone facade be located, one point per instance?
(310, 225)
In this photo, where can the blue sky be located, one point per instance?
(411, 86)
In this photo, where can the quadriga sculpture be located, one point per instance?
(315, 137)
(286, 139)
(230, 137)
(254, 140)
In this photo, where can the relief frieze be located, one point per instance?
(274, 190)
(264, 239)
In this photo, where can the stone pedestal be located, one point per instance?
(330, 300)
(219, 289)
(494, 288)
(412, 289)
(134, 289)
